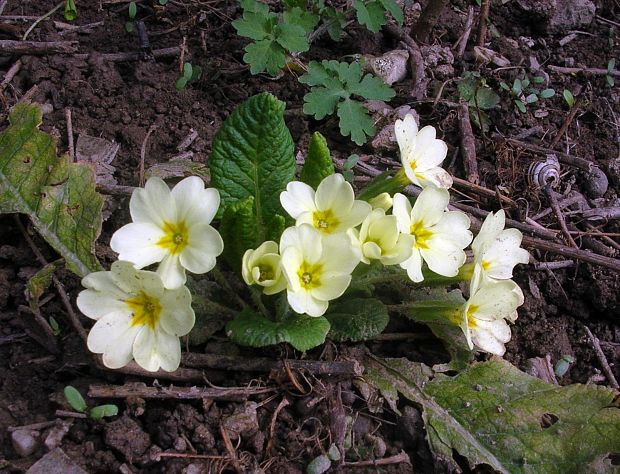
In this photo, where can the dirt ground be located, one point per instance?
(121, 101)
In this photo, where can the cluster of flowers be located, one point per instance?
(141, 314)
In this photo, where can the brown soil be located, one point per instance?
(122, 101)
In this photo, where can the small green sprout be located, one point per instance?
(474, 90)
(163, 2)
(70, 10)
(77, 402)
(563, 364)
(524, 93)
(132, 11)
(190, 74)
(54, 325)
(610, 69)
(348, 167)
(569, 98)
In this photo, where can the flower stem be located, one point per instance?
(388, 182)
(258, 301)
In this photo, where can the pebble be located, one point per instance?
(55, 461)
(596, 183)
(25, 442)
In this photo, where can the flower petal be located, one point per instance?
(137, 243)
(177, 317)
(413, 265)
(354, 216)
(113, 336)
(402, 210)
(430, 205)
(153, 204)
(334, 193)
(437, 177)
(96, 304)
(194, 203)
(496, 299)
(339, 255)
(491, 227)
(333, 285)
(104, 282)
(430, 151)
(133, 281)
(406, 132)
(171, 272)
(303, 302)
(442, 262)
(155, 349)
(305, 238)
(291, 261)
(204, 245)
(298, 198)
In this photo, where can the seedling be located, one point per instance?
(70, 10)
(569, 98)
(77, 402)
(163, 2)
(334, 86)
(54, 325)
(348, 167)
(132, 11)
(610, 69)
(562, 365)
(524, 93)
(190, 74)
(474, 90)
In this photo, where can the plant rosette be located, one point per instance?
(171, 227)
(439, 235)
(331, 209)
(317, 269)
(262, 267)
(421, 153)
(137, 318)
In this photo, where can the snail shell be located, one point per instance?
(543, 173)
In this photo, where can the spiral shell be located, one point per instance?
(543, 173)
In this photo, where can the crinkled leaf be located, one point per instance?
(265, 55)
(38, 284)
(335, 21)
(276, 227)
(444, 431)
(253, 156)
(318, 164)
(238, 230)
(357, 319)
(296, 16)
(102, 411)
(529, 425)
(371, 14)
(292, 37)
(75, 399)
(301, 331)
(58, 196)
(486, 98)
(320, 74)
(355, 121)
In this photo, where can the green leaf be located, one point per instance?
(129, 27)
(301, 331)
(196, 73)
(370, 13)
(265, 55)
(357, 319)
(255, 25)
(547, 93)
(187, 71)
(395, 10)
(318, 164)
(253, 156)
(291, 37)
(70, 10)
(75, 399)
(38, 284)
(568, 97)
(355, 121)
(181, 83)
(102, 411)
(335, 21)
(238, 230)
(372, 88)
(610, 80)
(611, 65)
(58, 196)
(132, 10)
(530, 99)
(321, 101)
(276, 227)
(467, 88)
(527, 424)
(486, 98)
(254, 7)
(305, 19)
(521, 106)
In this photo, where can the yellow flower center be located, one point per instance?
(325, 221)
(485, 265)
(145, 309)
(266, 272)
(175, 237)
(471, 321)
(421, 234)
(310, 275)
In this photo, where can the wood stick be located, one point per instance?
(553, 202)
(396, 459)
(468, 145)
(133, 56)
(428, 19)
(70, 133)
(482, 23)
(179, 375)
(569, 118)
(462, 43)
(571, 160)
(10, 74)
(601, 358)
(38, 47)
(585, 70)
(316, 367)
(174, 393)
(554, 265)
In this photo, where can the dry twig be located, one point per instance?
(601, 358)
(468, 146)
(143, 154)
(482, 23)
(175, 393)
(462, 42)
(70, 133)
(38, 47)
(585, 70)
(553, 201)
(428, 19)
(399, 458)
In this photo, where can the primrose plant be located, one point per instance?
(312, 258)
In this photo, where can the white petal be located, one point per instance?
(113, 336)
(303, 302)
(355, 215)
(171, 272)
(194, 203)
(333, 285)
(400, 252)
(292, 259)
(496, 299)
(442, 262)
(491, 227)
(334, 193)
(137, 243)
(103, 282)
(338, 254)
(402, 210)
(153, 204)
(406, 131)
(430, 206)
(371, 251)
(155, 349)
(454, 226)
(96, 304)
(298, 198)
(413, 265)
(305, 238)
(204, 244)
(133, 281)
(504, 253)
(177, 316)
(430, 152)
(437, 177)
(487, 342)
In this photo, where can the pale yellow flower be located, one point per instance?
(380, 239)
(262, 267)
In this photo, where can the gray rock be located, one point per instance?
(25, 442)
(541, 8)
(571, 14)
(596, 183)
(55, 461)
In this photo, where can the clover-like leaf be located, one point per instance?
(301, 331)
(57, 195)
(265, 55)
(357, 319)
(292, 37)
(318, 164)
(370, 13)
(355, 121)
(253, 156)
(297, 16)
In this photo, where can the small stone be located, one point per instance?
(55, 461)
(203, 437)
(596, 183)
(180, 445)
(126, 436)
(570, 15)
(55, 435)
(391, 67)
(25, 442)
